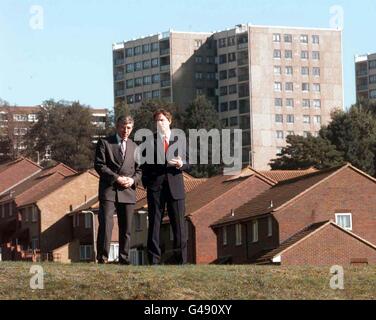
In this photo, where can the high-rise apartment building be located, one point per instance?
(365, 73)
(270, 82)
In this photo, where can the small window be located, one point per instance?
(277, 54)
(304, 55)
(86, 252)
(288, 38)
(290, 118)
(304, 38)
(276, 37)
(277, 70)
(238, 234)
(224, 235)
(288, 54)
(34, 243)
(270, 226)
(88, 220)
(316, 55)
(306, 119)
(277, 86)
(279, 134)
(278, 102)
(290, 103)
(34, 214)
(315, 39)
(344, 220)
(255, 231)
(279, 118)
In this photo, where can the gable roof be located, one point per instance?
(15, 172)
(283, 175)
(279, 195)
(301, 236)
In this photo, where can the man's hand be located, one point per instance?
(125, 182)
(177, 162)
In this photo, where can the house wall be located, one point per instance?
(329, 246)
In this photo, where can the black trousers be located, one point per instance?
(157, 201)
(125, 213)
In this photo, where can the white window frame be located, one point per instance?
(255, 237)
(238, 234)
(337, 215)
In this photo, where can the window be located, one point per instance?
(225, 122)
(372, 94)
(137, 50)
(278, 102)
(222, 42)
(344, 220)
(290, 103)
(233, 121)
(372, 79)
(306, 103)
(146, 64)
(290, 118)
(199, 91)
(277, 86)
(129, 52)
(76, 220)
(156, 94)
(85, 252)
(210, 60)
(232, 73)
(147, 80)
(306, 134)
(305, 71)
(138, 97)
(34, 214)
(305, 87)
(317, 119)
(224, 235)
(211, 76)
(315, 55)
(154, 62)
(129, 68)
(277, 70)
(147, 95)
(198, 59)
(198, 75)
(254, 231)
(222, 58)
(279, 134)
(279, 118)
(277, 54)
(224, 107)
(288, 54)
(316, 71)
(270, 226)
(288, 38)
(238, 234)
(34, 243)
(315, 39)
(231, 41)
(146, 48)
(231, 57)
(138, 82)
(155, 46)
(130, 99)
(223, 91)
(233, 105)
(20, 117)
(223, 74)
(88, 220)
(289, 86)
(372, 64)
(304, 38)
(26, 215)
(232, 89)
(198, 43)
(290, 133)
(289, 71)
(316, 87)
(304, 55)
(129, 83)
(155, 78)
(306, 119)
(317, 103)
(276, 37)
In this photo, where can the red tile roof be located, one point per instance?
(276, 196)
(283, 175)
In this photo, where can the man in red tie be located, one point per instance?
(165, 187)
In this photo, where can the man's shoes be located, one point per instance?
(102, 261)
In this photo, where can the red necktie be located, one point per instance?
(165, 144)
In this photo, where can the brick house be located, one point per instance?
(37, 223)
(324, 218)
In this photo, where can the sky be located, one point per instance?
(62, 49)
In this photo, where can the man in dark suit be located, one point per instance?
(165, 186)
(119, 176)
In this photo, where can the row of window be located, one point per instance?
(304, 54)
(306, 103)
(281, 135)
(30, 214)
(207, 60)
(304, 71)
(146, 80)
(290, 118)
(138, 97)
(142, 65)
(207, 76)
(19, 131)
(241, 89)
(231, 41)
(233, 105)
(87, 218)
(142, 49)
(289, 86)
(304, 38)
(20, 117)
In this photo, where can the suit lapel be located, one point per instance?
(116, 150)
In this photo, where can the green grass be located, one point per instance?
(89, 281)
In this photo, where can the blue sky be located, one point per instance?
(70, 57)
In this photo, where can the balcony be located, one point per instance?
(244, 77)
(119, 62)
(360, 73)
(119, 77)
(362, 87)
(242, 62)
(165, 68)
(242, 46)
(119, 93)
(165, 83)
(164, 52)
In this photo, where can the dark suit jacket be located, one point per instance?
(153, 175)
(110, 165)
